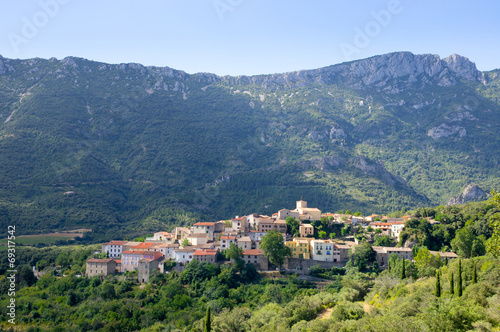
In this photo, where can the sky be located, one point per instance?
(248, 37)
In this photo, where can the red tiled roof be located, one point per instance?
(252, 252)
(144, 245)
(228, 238)
(116, 243)
(204, 224)
(118, 261)
(208, 252)
(156, 254)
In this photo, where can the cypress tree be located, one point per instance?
(438, 284)
(403, 272)
(208, 324)
(459, 281)
(474, 274)
(452, 285)
(446, 261)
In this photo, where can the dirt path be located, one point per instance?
(325, 313)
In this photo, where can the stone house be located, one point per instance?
(244, 243)
(206, 255)
(205, 228)
(257, 258)
(102, 267)
(306, 230)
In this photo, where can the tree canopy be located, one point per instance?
(274, 248)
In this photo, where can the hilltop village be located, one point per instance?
(205, 241)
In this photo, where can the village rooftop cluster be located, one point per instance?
(204, 240)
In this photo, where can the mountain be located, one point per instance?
(127, 148)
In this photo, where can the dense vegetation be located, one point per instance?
(426, 294)
(241, 301)
(124, 149)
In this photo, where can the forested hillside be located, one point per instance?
(127, 148)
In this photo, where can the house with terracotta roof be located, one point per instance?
(372, 217)
(165, 237)
(239, 223)
(130, 259)
(225, 241)
(102, 267)
(205, 255)
(142, 246)
(384, 226)
(205, 228)
(113, 248)
(129, 244)
(257, 258)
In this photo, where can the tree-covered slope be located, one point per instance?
(90, 144)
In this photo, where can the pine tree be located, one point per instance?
(459, 281)
(452, 285)
(403, 272)
(438, 284)
(208, 324)
(474, 275)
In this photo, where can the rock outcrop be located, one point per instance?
(471, 193)
(444, 130)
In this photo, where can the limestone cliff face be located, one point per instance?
(376, 71)
(471, 193)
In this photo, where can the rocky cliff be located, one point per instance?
(471, 193)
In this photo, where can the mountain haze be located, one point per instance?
(121, 148)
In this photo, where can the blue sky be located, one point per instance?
(247, 37)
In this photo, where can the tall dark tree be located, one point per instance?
(438, 284)
(403, 270)
(474, 274)
(452, 284)
(208, 324)
(459, 281)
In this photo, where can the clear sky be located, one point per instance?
(247, 37)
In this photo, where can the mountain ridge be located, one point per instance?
(157, 146)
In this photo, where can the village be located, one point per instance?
(204, 242)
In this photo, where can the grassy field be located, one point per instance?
(49, 238)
